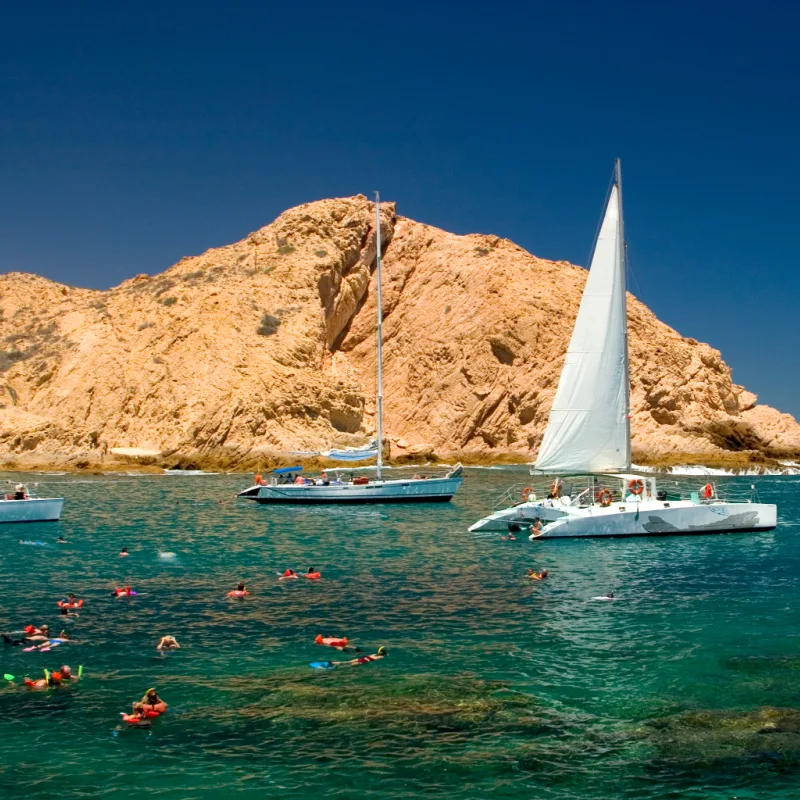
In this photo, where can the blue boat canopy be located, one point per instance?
(284, 470)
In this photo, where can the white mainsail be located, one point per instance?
(588, 429)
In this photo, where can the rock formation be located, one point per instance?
(268, 345)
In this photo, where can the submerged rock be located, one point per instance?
(727, 741)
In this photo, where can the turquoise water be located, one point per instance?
(686, 686)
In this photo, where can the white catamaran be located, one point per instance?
(587, 443)
(362, 489)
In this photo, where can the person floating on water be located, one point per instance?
(354, 662)
(32, 634)
(61, 540)
(124, 591)
(67, 612)
(168, 643)
(240, 591)
(124, 552)
(609, 596)
(288, 575)
(336, 642)
(152, 703)
(138, 717)
(50, 679)
(538, 576)
(312, 574)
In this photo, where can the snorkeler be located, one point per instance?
(337, 643)
(50, 679)
(152, 703)
(312, 574)
(32, 634)
(353, 662)
(240, 591)
(66, 673)
(168, 643)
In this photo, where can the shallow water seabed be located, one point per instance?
(494, 686)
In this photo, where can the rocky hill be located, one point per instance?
(268, 345)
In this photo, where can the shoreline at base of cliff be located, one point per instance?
(752, 463)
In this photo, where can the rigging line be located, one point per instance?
(601, 218)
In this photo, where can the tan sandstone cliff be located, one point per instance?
(268, 345)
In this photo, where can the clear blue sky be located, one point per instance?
(134, 134)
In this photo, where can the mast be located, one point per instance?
(624, 279)
(379, 397)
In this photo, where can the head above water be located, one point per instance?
(65, 670)
(240, 587)
(124, 550)
(382, 651)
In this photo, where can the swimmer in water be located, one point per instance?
(124, 591)
(124, 552)
(68, 612)
(312, 574)
(240, 591)
(354, 662)
(609, 596)
(168, 643)
(138, 716)
(61, 540)
(152, 703)
(336, 643)
(288, 575)
(66, 674)
(51, 679)
(32, 634)
(538, 576)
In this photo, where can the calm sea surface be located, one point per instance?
(687, 686)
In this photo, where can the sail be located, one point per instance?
(588, 429)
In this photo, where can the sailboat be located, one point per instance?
(586, 449)
(333, 489)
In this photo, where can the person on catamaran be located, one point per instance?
(536, 528)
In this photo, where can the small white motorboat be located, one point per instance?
(20, 506)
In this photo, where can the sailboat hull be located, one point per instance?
(434, 490)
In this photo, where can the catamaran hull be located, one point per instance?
(689, 520)
(31, 510)
(435, 490)
(658, 520)
(522, 514)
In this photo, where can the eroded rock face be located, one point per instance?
(268, 345)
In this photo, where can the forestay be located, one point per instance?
(588, 427)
